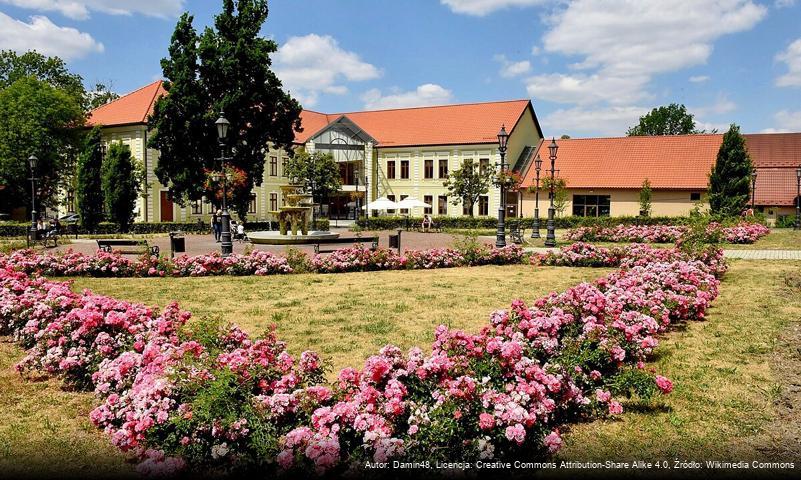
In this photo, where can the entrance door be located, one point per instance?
(166, 207)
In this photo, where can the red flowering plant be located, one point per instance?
(236, 178)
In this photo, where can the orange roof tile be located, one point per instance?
(669, 162)
(438, 125)
(774, 149)
(775, 187)
(129, 109)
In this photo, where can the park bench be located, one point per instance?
(51, 236)
(130, 246)
(333, 244)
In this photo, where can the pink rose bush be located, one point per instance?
(104, 264)
(210, 398)
(744, 232)
(258, 262)
(581, 254)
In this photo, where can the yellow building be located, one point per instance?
(398, 153)
(604, 176)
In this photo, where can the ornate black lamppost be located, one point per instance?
(366, 197)
(537, 168)
(226, 245)
(550, 237)
(500, 237)
(32, 162)
(753, 188)
(798, 198)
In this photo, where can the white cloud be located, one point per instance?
(315, 64)
(611, 121)
(80, 9)
(722, 105)
(624, 43)
(699, 78)
(45, 37)
(426, 94)
(587, 89)
(792, 57)
(784, 3)
(480, 8)
(511, 69)
(788, 120)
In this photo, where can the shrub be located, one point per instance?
(211, 398)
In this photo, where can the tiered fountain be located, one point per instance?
(293, 221)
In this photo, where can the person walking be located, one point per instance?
(216, 225)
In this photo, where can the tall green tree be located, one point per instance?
(730, 180)
(645, 198)
(121, 182)
(226, 68)
(50, 70)
(673, 119)
(38, 120)
(467, 183)
(89, 184)
(318, 173)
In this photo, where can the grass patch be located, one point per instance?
(725, 386)
(346, 316)
(777, 239)
(722, 406)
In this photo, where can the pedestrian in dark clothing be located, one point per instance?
(216, 225)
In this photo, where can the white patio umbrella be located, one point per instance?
(381, 203)
(411, 202)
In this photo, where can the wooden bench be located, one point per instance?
(342, 242)
(130, 246)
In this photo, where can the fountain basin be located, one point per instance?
(275, 237)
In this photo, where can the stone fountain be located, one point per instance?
(293, 221)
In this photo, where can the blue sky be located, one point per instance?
(591, 67)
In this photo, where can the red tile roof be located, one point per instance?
(775, 187)
(669, 162)
(774, 149)
(129, 109)
(438, 125)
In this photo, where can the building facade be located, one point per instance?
(409, 152)
(396, 154)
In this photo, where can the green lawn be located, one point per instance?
(723, 368)
(777, 239)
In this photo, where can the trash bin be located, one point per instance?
(395, 241)
(177, 243)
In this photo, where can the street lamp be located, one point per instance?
(500, 238)
(32, 163)
(226, 245)
(798, 198)
(753, 188)
(550, 237)
(537, 168)
(366, 198)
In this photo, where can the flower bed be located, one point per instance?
(210, 398)
(740, 233)
(258, 262)
(581, 254)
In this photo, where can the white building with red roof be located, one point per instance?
(400, 153)
(409, 152)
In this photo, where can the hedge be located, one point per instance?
(106, 228)
(392, 222)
